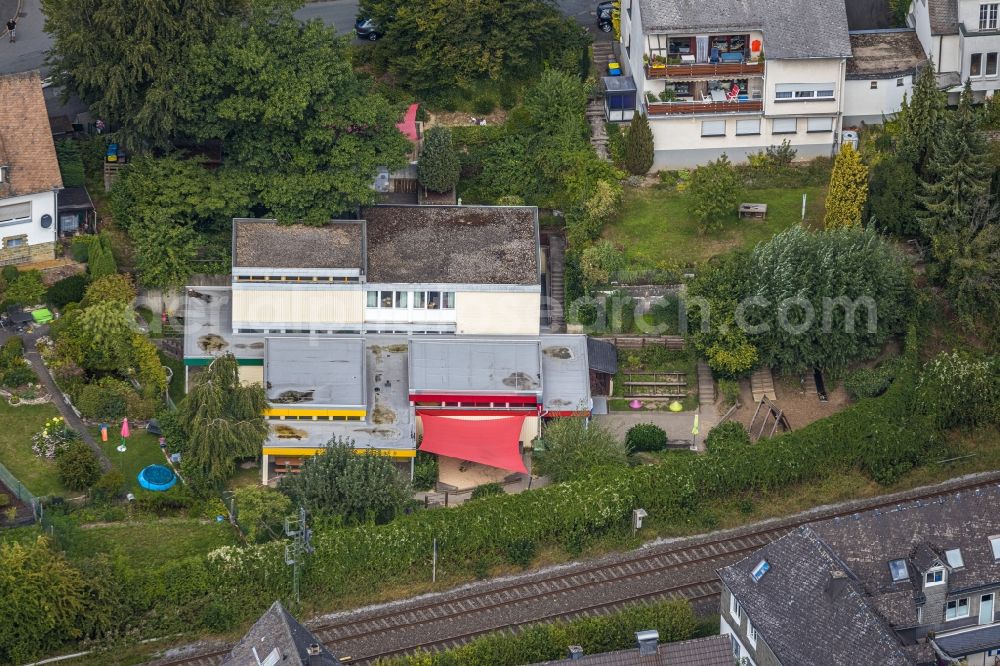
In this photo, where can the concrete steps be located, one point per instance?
(762, 384)
(706, 384)
(557, 287)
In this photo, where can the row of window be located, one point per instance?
(417, 300)
(983, 64)
(803, 92)
(316, 418)
(751, 126)
(737, 612)
(874, 84)
(474, 405)
(18, 212)
(988, 15)
(293, 278)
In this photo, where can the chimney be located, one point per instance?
(836, 584)
(315, 654)
(575, 652)
(648, 641)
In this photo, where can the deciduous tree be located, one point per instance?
(713, 193)
(848, 191)
(223, 420)
(573, 449)
(356, 487)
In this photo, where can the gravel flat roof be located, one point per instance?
(452, 244)
(267, 244)
(884, 54)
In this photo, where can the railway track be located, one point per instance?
(678, 569)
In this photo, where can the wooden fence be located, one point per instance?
(640, 342)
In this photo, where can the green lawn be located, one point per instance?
(142, 449)
(656, 228)
(154, 542)
(19, 424)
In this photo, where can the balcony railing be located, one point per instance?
(681, 108)
(708, 69)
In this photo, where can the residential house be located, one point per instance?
(414, 323)
(963, 38)
(880, 74)
(709, 651)
(916, 584)
(278, 638)
(29, 172)
(716, 76)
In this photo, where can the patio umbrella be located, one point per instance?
(125, 432)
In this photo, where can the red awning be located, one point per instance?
(409, 125)
(491, 442)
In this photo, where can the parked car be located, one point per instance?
(604, 10)
(367, 28)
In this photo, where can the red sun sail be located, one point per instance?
(491, 442)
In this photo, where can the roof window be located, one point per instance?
(954, 557)
(995, 542)
(759, 570)
(898, 570)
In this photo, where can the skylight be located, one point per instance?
(954, 558)
(995, 542)
(759, 570)
(898, 570)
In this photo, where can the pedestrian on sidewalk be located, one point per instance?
(11, 24)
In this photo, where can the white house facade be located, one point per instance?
(963, 38)
(716, 78)
(29, 172)
(880, 74)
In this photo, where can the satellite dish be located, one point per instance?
(46, 221)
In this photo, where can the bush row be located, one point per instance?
(674, 620)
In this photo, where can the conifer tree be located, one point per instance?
(439, 168)
(639, 146)
(848, 190)
(101, 261)
(921, 119)
(959, 178)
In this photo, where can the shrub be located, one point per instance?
(646, 437)
(261, 511)
(425, 471)
(572, 450)
(68, 290)
(107, 399)
(727, 436)
(638, 146)
(9, 273)
(438, 169)
(959, 388)
(713, 192)
(116, 288)
(487, 490)
(871, 382)
(78, 466)
(27, 289)
(11, 352)
(165, 502)
(521, 551)
(729, 389)
(484, 104)
(18, 374)
(110, 486)
(79, 248)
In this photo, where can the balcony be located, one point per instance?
(714, 70)
(691, 108)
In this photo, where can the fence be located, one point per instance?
(638, 342)
(16, 486)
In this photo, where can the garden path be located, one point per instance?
(74, 421)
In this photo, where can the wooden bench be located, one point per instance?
(756, 211)
(289, 465)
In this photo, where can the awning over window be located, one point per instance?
(492, 442)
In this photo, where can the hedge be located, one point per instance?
(645, 437)
(881, 436)
(674, 620)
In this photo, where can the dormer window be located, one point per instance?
(934, 577)
(954, 558)
(898, 570)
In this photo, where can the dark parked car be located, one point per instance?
(604, 10)
(367, 28)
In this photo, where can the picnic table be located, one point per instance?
(756, 211)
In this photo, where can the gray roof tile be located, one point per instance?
(602, 356)
(278, 630)
(970, 642)
(792, 28)
(943, 16)
(802, 624)
(711, 651)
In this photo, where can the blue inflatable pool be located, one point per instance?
(157, 477)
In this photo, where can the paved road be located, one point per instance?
(32, 43)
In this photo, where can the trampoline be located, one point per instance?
(157, 477)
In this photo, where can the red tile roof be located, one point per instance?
(26, 145)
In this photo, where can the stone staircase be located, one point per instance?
(706, 384)
(557, 291)
(762, 384)
(603, 54)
